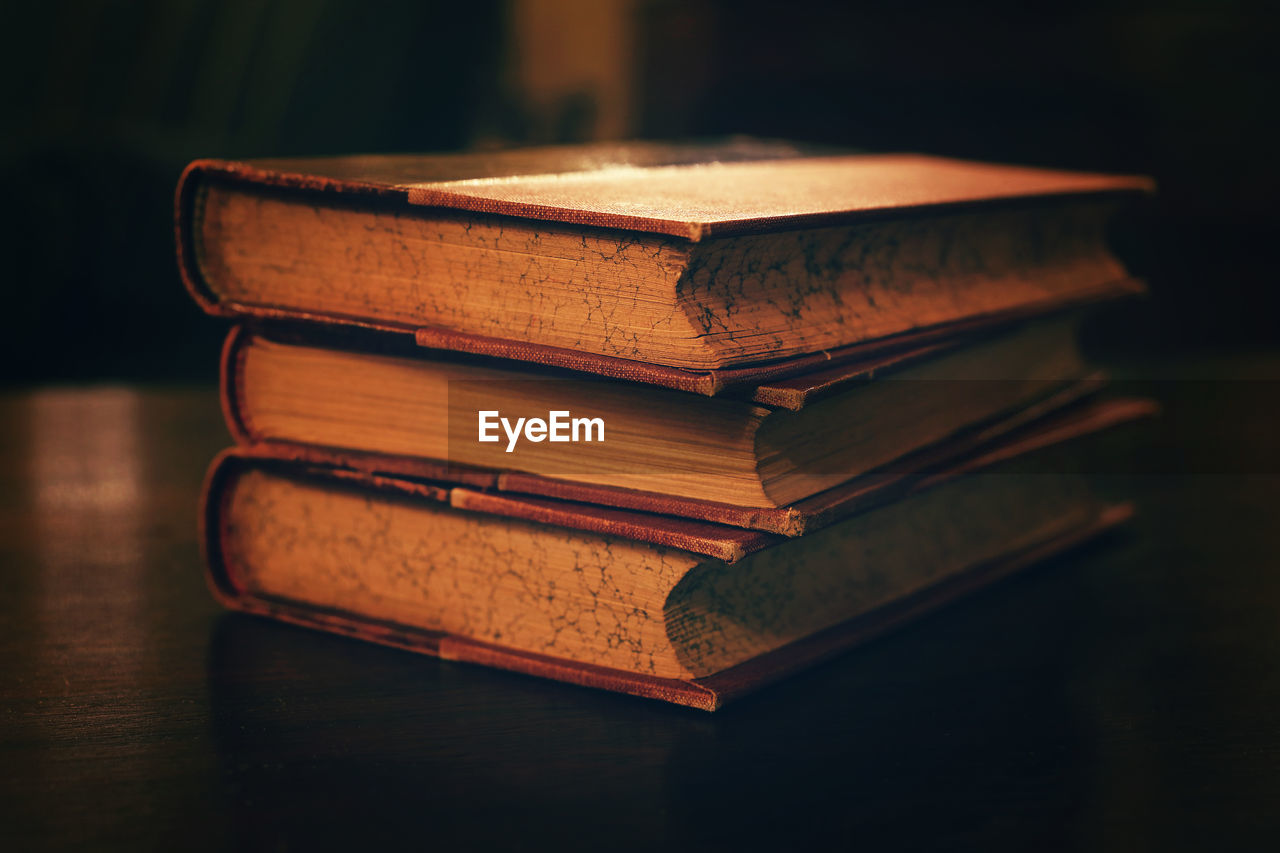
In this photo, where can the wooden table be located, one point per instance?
(1126, 696)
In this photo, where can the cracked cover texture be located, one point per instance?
(706, 692)
(708, 191)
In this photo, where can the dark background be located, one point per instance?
(104, 102)
(1119, 698)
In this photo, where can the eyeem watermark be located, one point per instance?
(559, 426)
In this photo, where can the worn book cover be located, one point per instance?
(690, 260)
(666, 451)
(639, 603)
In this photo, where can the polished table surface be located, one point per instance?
(1125, 696)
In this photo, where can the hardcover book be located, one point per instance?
(395, 561)
(690, 259)
(733, 450)
(807, 382)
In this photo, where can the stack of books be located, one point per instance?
(667, 420)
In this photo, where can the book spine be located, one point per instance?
(188, 197)
(230, 386)
(185, 228)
